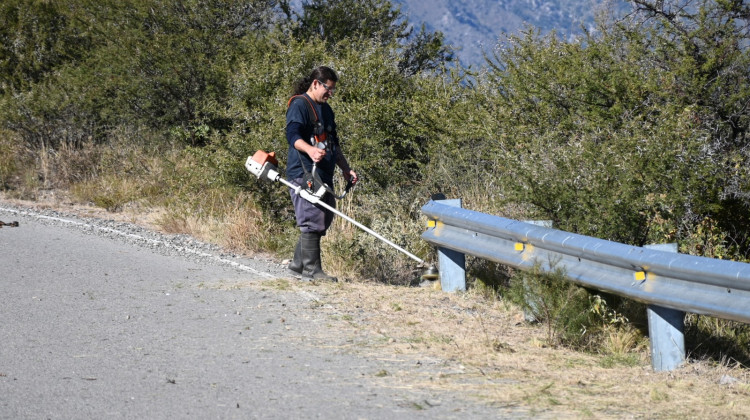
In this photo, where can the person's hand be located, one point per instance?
(316, 154)
(351, 176)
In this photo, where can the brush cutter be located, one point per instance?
(265, 166)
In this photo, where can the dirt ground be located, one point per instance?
(497, 357)
(503, 360)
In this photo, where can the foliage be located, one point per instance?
(635, 133)
(169, 65)
(573, 316)
(165, 67)
(36, 37)
(11, 163)
(426, 51)
(718, 339)
(56, 112)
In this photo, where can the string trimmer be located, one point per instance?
(265, 166)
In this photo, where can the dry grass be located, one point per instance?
(243, 221)
(237, 225)
(109, 192)
(482, 348)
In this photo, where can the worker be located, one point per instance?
(311, 134)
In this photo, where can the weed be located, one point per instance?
(28, 185)
(615, 360)
(172, 222)
(278, 284)
(11, 162)
(108, 192)
(620, 340)
(417, 406)
(490, 277)
(441, 338)
(658, 396)
(500, 347)
(552, 299)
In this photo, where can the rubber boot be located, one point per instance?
(295, 266)
(310, 249)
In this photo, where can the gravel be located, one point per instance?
(165, 244)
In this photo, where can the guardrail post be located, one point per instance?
(452, 264)
(666, 329)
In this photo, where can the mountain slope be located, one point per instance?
(473, 26)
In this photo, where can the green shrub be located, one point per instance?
(551, 299)
(726, 342)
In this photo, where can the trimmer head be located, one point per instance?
(431, 273)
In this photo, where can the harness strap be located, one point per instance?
(319, 133)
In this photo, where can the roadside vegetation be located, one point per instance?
(637, 132)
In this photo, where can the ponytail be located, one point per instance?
(301, 85)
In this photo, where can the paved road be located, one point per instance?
(96, 327)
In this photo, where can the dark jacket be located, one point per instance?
(300, 123)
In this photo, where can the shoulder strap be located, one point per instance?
(310, 107)
(316, 125)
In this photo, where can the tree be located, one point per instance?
(158, 64)
(706, 46)
(425, 51)
(169, 65)
(336, 20)
(705, 42)
(376, 22)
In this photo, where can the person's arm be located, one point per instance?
(294, 137)
(315, 154)
(349, 175)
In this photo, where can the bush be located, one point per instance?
(549, 298)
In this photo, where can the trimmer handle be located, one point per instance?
(349, 186)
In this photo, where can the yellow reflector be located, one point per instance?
(519, 246)
(431, 223)
(640, 275)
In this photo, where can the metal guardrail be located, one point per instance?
(663, 279)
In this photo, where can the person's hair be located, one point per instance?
(321, 73)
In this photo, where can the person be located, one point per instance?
(310, 119)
